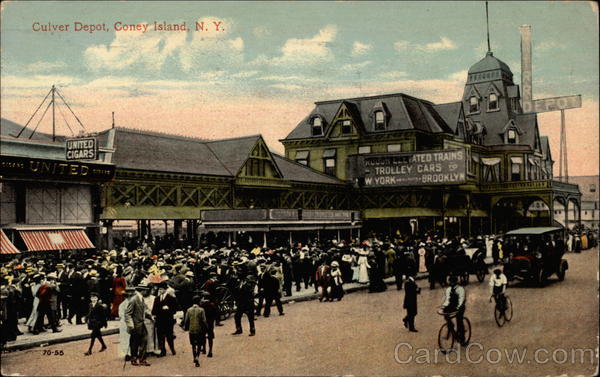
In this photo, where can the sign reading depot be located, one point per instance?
(82, 149)
(416, 168)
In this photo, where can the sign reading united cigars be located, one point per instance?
(55, 169)
(81, 149)
(415, 168)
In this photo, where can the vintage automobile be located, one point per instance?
(534, 254)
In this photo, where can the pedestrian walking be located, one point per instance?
(195, 322)
(134, 318)
(165, 306)
(245, 304)
(411, 290)
(96, 320)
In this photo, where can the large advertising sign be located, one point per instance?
(414, 169)
(55, 169)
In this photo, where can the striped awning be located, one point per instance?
(6, 247)
(43, 240)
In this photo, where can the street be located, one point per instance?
(363, 335)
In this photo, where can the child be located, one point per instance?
(96, 319)
(195, 323)
(212, 314)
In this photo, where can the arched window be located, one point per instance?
(493, 102)
(379, 120)
(317, 126)
(473, 105)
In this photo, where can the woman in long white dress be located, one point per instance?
(34, 312)
(363, 265)
(151, 346)
(123, 334)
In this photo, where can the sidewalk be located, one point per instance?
(72, 332)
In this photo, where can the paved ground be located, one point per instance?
(363, 335)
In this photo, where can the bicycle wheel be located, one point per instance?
(467, 334)
(499, 316)
(445, 338)
(508, 313)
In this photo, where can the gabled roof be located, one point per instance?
(232, 153)
(450, 112)
(293, 171)
(404, 113)
(526, 123)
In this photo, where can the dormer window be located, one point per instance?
(511, 136)
(379, 120)
(346, 127)
(473, 105)
(317, 126)
(493, 102)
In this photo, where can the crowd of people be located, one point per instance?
(145, 285)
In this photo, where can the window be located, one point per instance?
(511, 136)
(346, 127)
(364, 149)
(302, 157)
(394, 148)
(317, 126)
(515, 170)
(255, 168)
(473, 105)
(329, 161)
(593, 187)
(493, 102)
(379, 121)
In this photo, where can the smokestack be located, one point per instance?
(526, 71)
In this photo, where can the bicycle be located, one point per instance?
(448, 334)
(502, 313)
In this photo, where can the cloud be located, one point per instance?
(287, 86)
(288, 78)
(37, 81)
(355, 66)
(392, 75)
(245, 74)
(43, 66)
(212, 49)
(459, 76)
(359, 48)
(132, 48)
(549, 45)
(302, 52)
(401, 45)
(261, 31)
(443, 44)
(212, 75)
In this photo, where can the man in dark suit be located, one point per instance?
(134, 319)
(165, 306)
(410, 303)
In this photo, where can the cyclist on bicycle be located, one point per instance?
(498, 283)
(455, 302)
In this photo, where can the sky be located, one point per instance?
(258, 67)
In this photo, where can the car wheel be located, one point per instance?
(540, 279)
(562, 271)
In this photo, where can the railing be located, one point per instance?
(529, 185)
(250, 181)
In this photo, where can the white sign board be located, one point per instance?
(81, 149)
(552, 104)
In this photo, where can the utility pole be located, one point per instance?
(53, 119)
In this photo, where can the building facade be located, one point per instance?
(472, 166)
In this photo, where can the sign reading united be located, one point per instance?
(416, 168)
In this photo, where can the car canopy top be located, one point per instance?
(533, 231)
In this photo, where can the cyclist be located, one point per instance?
(498, 283)
(455, 302)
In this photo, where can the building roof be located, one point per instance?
(293, 171)
(152, 151)
(489, 63)
(450, 112)
(12, 129)
(144, 150)
(404, 112)
(232, 153)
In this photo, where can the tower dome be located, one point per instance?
(490, 68)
